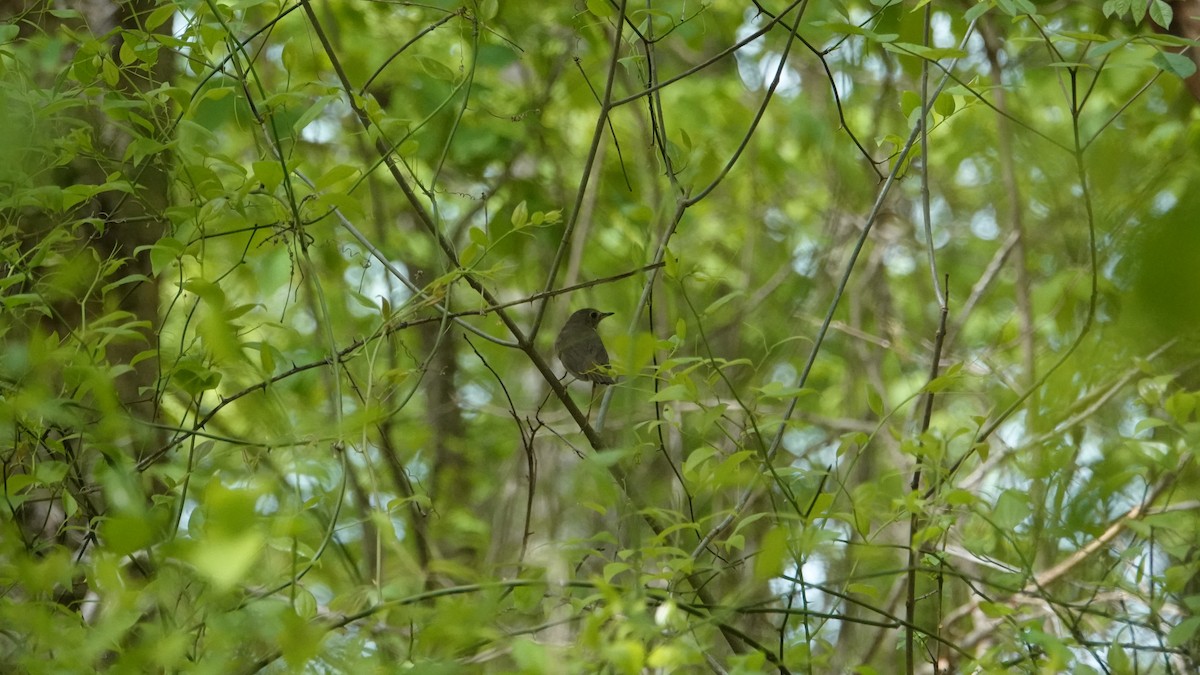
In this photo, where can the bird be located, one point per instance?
(580, 348)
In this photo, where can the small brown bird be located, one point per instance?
(580, 348)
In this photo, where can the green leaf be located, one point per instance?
(994, 610)
(126, 51)
(600, 8)
(266, 358)
(520, 215)
(70, 504)
(820, 506)
(772, 552)
(33, 300)
(696, 458)
(532, 657)
(1177, 577)
(336, 174)
(478, 236)
(944, 105)
(928, 53)
(1011, 508)
(470, 254)
(720, 302)
(347, 204)
(671, 264)
(1137, 9)
(910, 102)
(1148, 423)
(1183, 633)
(305, 603)
(14, 486)
(667, 658)
(675, 392)
(193, 377)
(300, 640)
(612, 569)
(960, 497)
(941, 382)
(125, 534)
(1180, 405)
(159, 16)
(976, 11)
(625, 656)
(875, 402)
(1115, 7)
(1080, 36)
(109, 72)
(50, 472)
(227, 558)
(854, 29)
(1176, 64)
(1109, 46)
(269, 174)
(436, 69)
(209, 292)
(126, 280)
(1118, 660)
(1164, 39)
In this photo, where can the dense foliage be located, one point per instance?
(904, 324)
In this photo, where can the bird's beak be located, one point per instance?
(604, 315)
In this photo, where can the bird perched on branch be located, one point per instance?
(580, 348)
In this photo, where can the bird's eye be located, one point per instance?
(595, 315)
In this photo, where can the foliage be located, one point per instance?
(904, 324)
